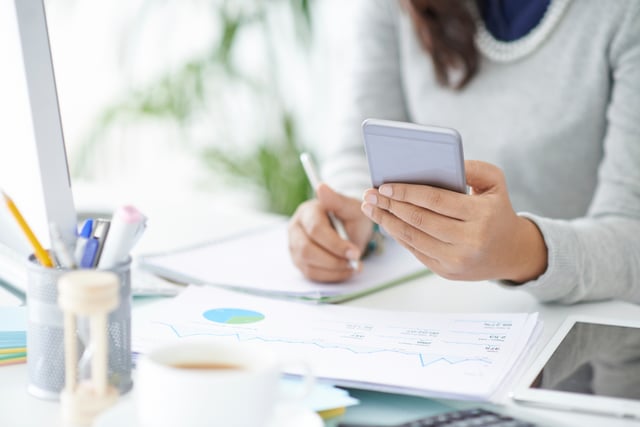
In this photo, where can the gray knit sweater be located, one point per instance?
(562, 121)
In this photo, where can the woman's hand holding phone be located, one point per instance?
(459, 236)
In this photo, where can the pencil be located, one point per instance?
(42, 255)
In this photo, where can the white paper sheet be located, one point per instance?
(445, 355)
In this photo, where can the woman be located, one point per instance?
(546, 96)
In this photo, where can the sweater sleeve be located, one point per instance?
(374, 90)
(598, 256)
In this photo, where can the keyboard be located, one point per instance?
(475, 417)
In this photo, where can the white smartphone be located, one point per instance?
(414, 154)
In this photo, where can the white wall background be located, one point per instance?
(102, 49)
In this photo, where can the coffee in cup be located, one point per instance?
(204, 382)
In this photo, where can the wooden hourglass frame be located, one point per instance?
(90, 294)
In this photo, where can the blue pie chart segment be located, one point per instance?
(232, 316)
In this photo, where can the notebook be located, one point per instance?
(258, 261)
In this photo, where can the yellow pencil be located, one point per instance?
(42, 255)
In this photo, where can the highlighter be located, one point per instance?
(127, 226)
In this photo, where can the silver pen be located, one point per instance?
(60, 249)
(314, 179)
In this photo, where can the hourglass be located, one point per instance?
(90, 295)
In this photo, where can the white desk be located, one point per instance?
(430, 293)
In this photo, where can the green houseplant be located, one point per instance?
(269, 161)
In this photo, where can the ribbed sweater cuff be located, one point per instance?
(559, 279)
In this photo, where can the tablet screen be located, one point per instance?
(595, 359)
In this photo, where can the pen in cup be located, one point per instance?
(90, 252)
(60, 249)
(100, 232)
(83, 238)
(314, 179)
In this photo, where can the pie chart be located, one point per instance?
(232, 316)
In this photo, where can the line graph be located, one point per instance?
(424, 359)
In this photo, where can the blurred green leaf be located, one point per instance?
(273, 165)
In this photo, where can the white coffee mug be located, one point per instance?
(203, 382)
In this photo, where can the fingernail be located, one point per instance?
(385, 190)
(367, 209)
(353, 255)
(371, 198)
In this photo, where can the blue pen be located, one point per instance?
(90, 253)
(83, 238)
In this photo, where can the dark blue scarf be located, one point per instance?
(508, 20)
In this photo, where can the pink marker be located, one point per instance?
(127, 226)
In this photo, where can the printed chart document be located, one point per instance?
(464, 356)
(259, 261)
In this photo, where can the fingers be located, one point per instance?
(445, 259)
(315, 262)
(410, 236)
(317, 249)
(481, 177)
(445, 202)
(441, 227)
(317, 227)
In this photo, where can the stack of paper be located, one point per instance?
(464, 356)
(13, 335)
(259, 262)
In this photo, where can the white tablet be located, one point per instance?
(590, 365)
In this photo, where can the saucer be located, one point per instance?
(285, 415)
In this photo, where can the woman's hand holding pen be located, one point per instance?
(473, 236)
(315, 246)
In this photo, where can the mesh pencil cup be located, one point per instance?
(45, 333)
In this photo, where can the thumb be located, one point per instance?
(333, 201)
(482, 176)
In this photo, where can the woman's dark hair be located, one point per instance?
(446, 30)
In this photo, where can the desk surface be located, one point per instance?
(426, 294)
(431, 293)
